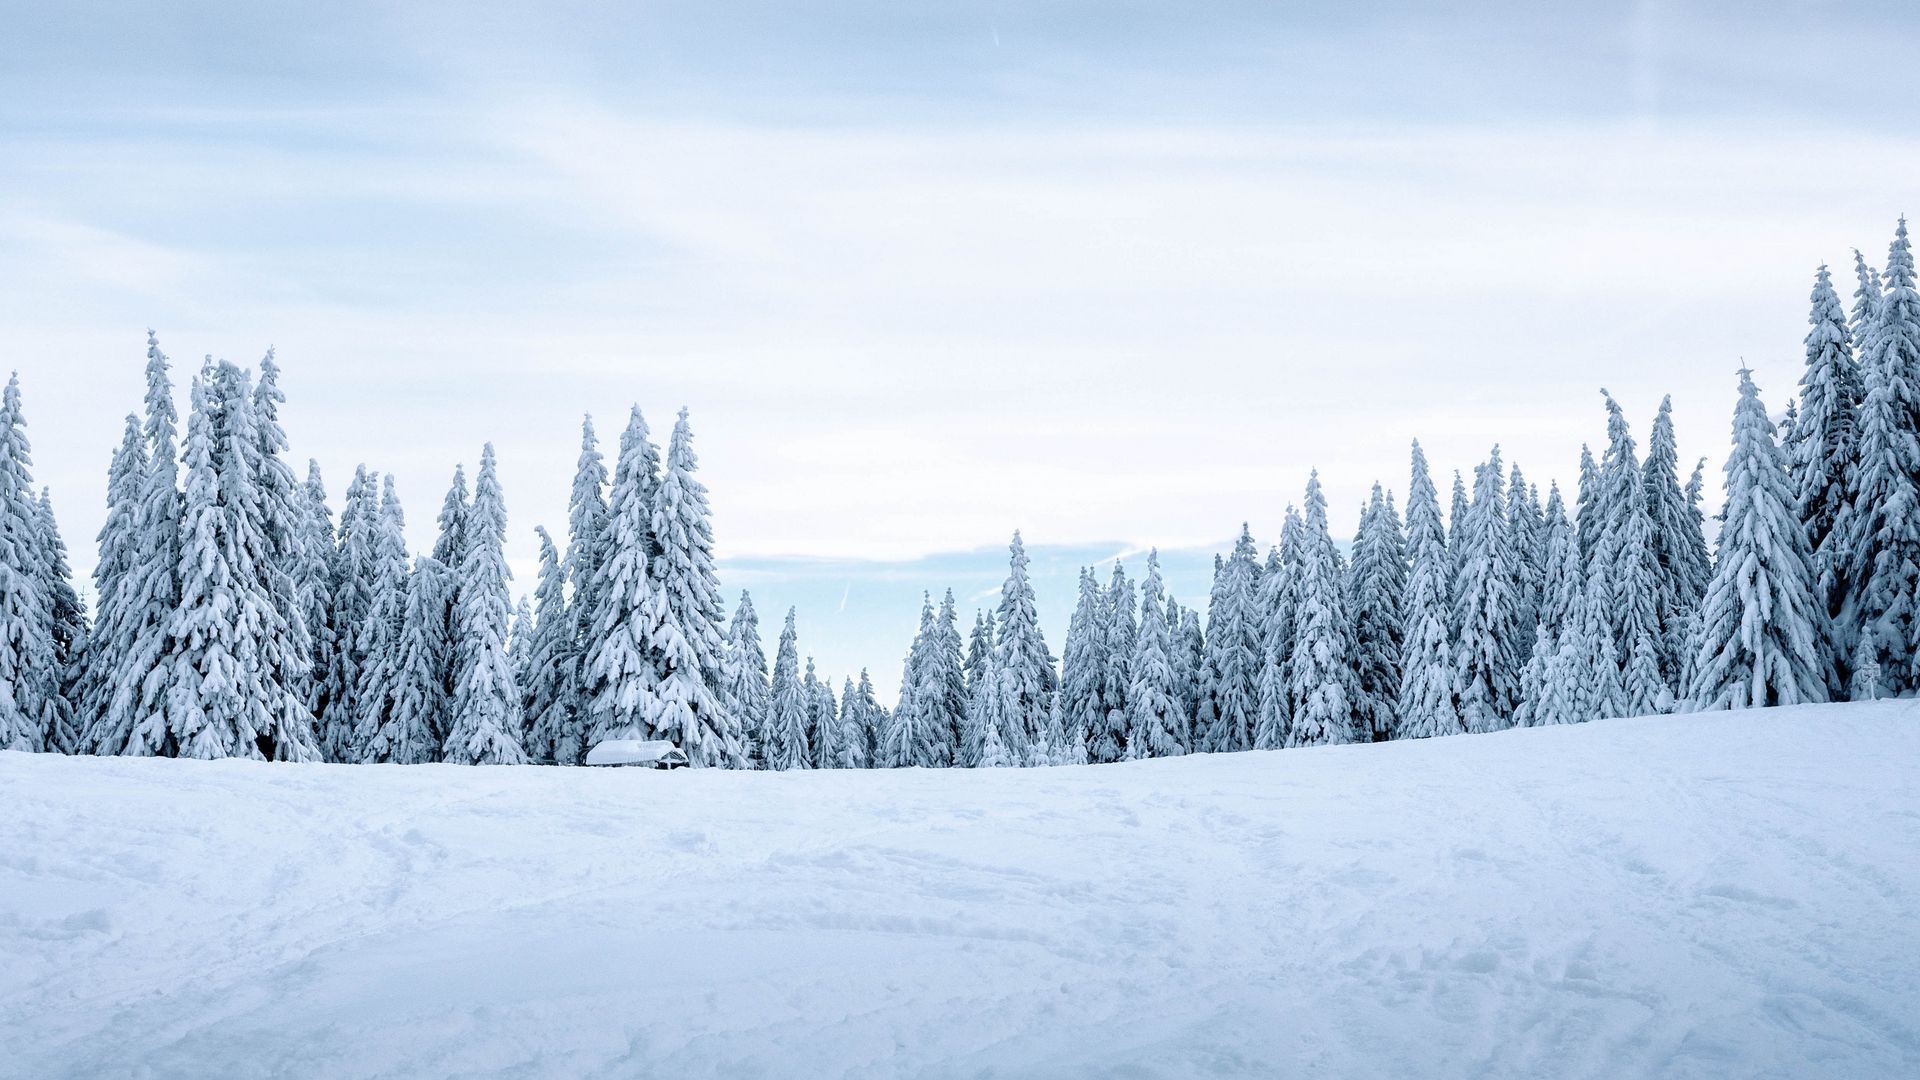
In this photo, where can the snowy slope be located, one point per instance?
(1720, 895)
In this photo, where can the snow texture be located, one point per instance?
(1722, 894)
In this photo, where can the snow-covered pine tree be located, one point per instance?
(994, 753)
(378, 688)
(1379, 586)
(313, 577)
(1081, 702)
(119, 540)
(1589, 519)
(786, 742)
(1154, 719)
(554, 734)
(1822, 446)
(979, 651)
(282, 532)
(1194, 640)
(850, 740)
(1122, 633)
(69, 626)
(1760, 632)
(519, 645)
(687, 627)
(1562, 577)
(486, 723)
(873, 721)
(353, 585)
(1867, 297)
(749, 694)
(30, 676)
(1457, 527)
(417, 724)
(1026, 667)
(980, 645)
(1278, 602)
(903, 742)
(1680, 549)
(1428, 676)
(1319, 669)
(822, 723)
(1523, 529)
(450, 545)
(1882, 569)
(622, 666)
(1488, 652)
(942, 694)
(1635, 579)
(1533, 678)
(1233, 653)
(136, 721)
(589, 532)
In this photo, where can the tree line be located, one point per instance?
(235, 616)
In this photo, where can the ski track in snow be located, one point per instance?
(1694, 896)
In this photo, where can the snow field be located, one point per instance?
(1728, 894)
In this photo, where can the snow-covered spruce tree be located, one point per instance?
(873, 721)
(1826, 433)
(1233, 654)
(486, 724)
(1026, 667)
(1379, 585)
(1523, 528)
(450, 544)
(822, 720)
(1562, 576)
(554, 734)
(283, 528)
(980, 645)
(1822, 447)
(1882, 525)
(1583, 678)
(119, 540)
(994, 753)
(417, 724)
(687, 628)
(1488, 649)
(353, 584)
(30, 676)
(1083, 668)
(1122, 634)
(1680, 548)
(786, 741)
(1760, 630)
(748, 693)
(639, 461)
(1867, 297)
(589, 532)
(1319, 671)
(313, 577)
(1589, 520)
(1194, 640)
(622, 665)
(1428, 676)
(264, 526)
(1635, 579)
(1154, 720)
(1457, 526)
(136, 719)
(1533, 678)
(222, 699)
(904, 741)
(379, 685)
(850, 741)
(1277, 602)
(69, 623)
(942, 694)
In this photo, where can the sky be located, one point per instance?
(1118, 275)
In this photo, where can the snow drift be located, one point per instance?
(1709, 895)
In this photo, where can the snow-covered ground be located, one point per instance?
(1712, 896)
